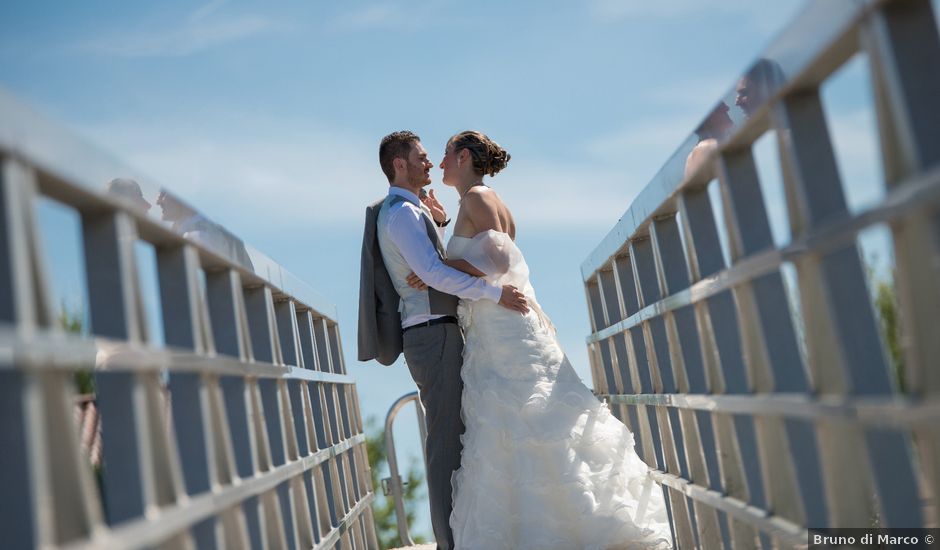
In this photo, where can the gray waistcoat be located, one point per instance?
(413, 302)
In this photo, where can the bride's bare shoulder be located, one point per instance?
(480, 197)
(480, 191)
(487, 211)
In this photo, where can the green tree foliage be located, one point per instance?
(383, 508)
(70, 320)
(886, 304)
(887, 309)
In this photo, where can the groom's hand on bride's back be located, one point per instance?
(513, 299)
(415, 282)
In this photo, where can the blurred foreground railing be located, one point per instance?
(765, 410)
(242, 432)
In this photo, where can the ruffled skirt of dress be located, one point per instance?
(545, 465)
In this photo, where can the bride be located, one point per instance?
(544, 463)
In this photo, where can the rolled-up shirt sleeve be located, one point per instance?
(406, 228)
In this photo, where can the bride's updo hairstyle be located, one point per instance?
(487, 156)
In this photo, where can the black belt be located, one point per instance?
(449, 319)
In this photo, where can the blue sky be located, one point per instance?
(267, 116)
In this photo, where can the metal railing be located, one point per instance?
(754, 440)
(243, 431)
(393, 485)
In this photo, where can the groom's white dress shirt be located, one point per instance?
(405, 246)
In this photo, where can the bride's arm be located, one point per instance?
(482, 211)
(460, 265)
(465, 266)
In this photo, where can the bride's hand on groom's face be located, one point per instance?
(435, 206)
(415, 282)
(513, 299)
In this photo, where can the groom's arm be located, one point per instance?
(407, 230)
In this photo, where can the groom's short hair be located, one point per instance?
(396, 145)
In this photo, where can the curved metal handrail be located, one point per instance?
(393, 482)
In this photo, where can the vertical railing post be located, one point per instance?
(835, 282)
(722, 363)
(771, 347)
(184, 326)
(672, 275)
(50, 492)
(903, 48)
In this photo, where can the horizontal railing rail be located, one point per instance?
(764, 408)
(242, 431)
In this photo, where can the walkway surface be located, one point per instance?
(418, 547)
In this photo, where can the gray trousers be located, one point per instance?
(434, 355)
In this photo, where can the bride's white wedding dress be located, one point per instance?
(545, 465)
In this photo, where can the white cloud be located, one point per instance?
(643, 148)
(554, 196)
(205, 11)
(372, 16)
(694, 95)
(412, 15)
(197, 34)
(766, 16)
(656, 138)
(303, 178)
(291, 176)
(621, 9)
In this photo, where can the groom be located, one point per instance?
(403, 235)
